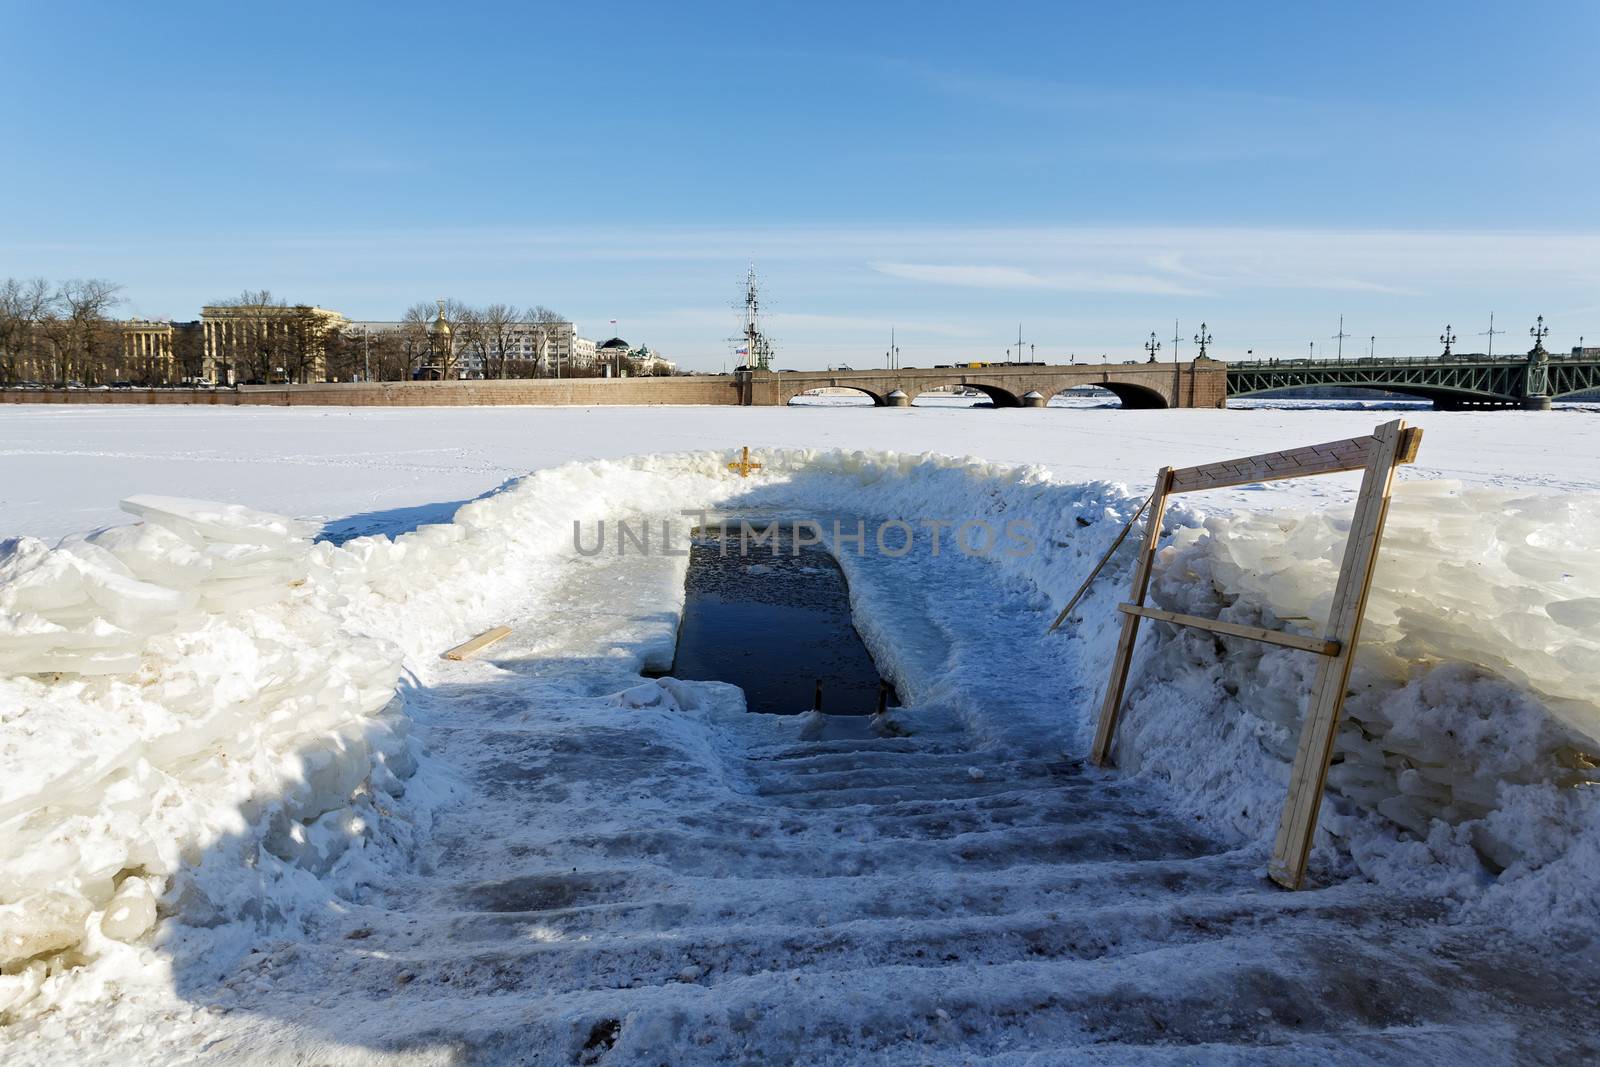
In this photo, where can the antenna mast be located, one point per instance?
(757, 347)
(1340, 336)
(1489, 333)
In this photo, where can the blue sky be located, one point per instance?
(1092, 172)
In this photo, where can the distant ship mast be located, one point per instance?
(757, 349)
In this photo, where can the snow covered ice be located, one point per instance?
(247, 814)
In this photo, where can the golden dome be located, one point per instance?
(441, 326)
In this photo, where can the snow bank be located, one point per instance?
(164, 686)
(1473, 712)
(208, 683)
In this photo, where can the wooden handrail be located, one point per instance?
(1233, 629)
(1351, 454)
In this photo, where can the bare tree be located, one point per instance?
(78, 329)
(262, 349)
(345, 353)
(471, 336)
(385, 352)
(305, 338)
(502, 343)
(415, 338)
(544, 321)
(24, 304)
(189, 350)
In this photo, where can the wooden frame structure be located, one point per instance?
(1389, 446)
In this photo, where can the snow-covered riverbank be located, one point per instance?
(276, 825)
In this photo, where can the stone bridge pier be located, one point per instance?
(1202, 384)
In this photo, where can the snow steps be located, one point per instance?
(527, 957)
(1234, 998)
(629, 886)
(685, 903)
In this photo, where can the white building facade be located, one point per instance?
(546, 348)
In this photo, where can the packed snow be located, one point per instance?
(247, 813)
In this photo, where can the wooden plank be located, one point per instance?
(1098, 567)
(1234, 629)
(1111, 706)
(1329, 458)
(468, 649)
(1298, 826)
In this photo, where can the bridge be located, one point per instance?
(1452, 382)
(1529, 382)
(1009, 385)
(1201, 384)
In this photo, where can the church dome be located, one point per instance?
(441, 326)
(614, 343)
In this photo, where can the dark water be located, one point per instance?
(773, 625)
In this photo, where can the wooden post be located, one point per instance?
(1111, 707)
(1298, 826)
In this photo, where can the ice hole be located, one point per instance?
(773, 617)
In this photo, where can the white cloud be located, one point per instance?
(1001, 277)
(833, 292)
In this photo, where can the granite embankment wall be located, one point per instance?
(695, 389)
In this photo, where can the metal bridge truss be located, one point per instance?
(1474, 381)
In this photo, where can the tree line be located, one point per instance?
(58, 332)
(61, 333)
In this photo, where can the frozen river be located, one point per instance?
(63, 469)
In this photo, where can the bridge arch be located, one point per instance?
(1126, 394)
(946, 396)
(1135, 396)
(809, 398)
(1003, 398)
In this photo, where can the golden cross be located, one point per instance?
(744, 465)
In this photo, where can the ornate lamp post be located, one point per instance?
(1539, 331)
(1536, 379)
(1152, 346)
(1203, 339)
(1447, 339)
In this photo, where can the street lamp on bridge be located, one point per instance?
(1539, 331)
(1202, 339)
(1447, 339)
(1152, 346)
